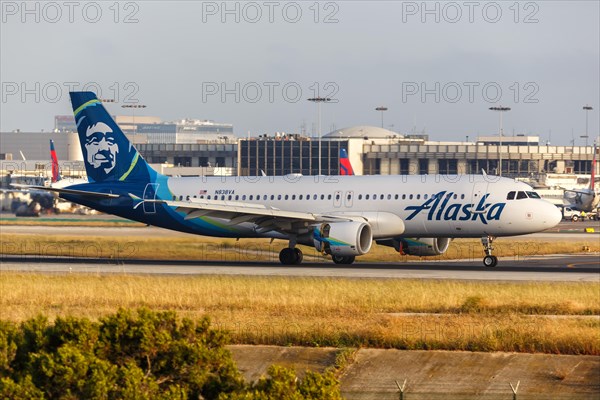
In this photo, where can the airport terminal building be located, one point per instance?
(371, 150)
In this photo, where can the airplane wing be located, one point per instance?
(267, 218)
(67, 191)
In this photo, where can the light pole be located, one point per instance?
(586, 108)
(133, 107)
(502, 110)
(319, 100)
(382, 109)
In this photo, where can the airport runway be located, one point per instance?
(569, 231)
(579, 268)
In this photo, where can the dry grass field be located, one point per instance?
(206, 248)
(558, 318)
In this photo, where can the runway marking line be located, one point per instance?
(573, 265)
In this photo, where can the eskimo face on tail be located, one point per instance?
(101, 148)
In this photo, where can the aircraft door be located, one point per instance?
(337, 198)
(150, 194)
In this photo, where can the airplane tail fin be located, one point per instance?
(55, 168)
(107, 153)
(345, 166)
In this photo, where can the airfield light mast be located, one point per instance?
(502, 110)
(319, 100)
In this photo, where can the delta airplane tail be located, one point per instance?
(345, 166)
(55, 168)
(108, 154)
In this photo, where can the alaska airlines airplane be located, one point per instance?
(340, 216)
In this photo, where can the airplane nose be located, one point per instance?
(553, 215)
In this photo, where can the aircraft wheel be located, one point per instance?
(287, 256)
(490, 261)
(343, 259)
(298, 256)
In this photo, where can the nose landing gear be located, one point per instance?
(489, 260)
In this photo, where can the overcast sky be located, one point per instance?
(254, 64)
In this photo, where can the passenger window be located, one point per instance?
(322, 197)
(264, 197)
(328, 197)
(389, 197)
(229, 197)
(195, 196)
(223, 197)
(272, 197)
(455, 196)
(403, 197)
(349, 196)
(243, 197)
(208, 197)
(367, 197)
(180, 197)
(418, 197)
(300, 197)
(521, 195)
(174, 198)
(337, 196)
(511, 195)
(251, 197)
(462, 196)
(410, 197)
(360, 196)
(425, 196)
(286, 197)
(278, 197)
(293, 197)
(314, 196)
(396, 197)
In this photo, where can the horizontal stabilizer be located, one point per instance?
(68, 191)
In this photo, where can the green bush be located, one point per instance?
(136, 355)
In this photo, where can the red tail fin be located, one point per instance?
(55, 169)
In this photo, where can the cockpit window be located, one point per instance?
(511, 195)
(533, 195)
(521, 195)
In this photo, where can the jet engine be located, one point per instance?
(418, 246)
(343, 238)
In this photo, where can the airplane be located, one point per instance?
(340, 216)
(584, 199)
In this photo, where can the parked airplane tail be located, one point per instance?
(345, 166)
(107, 153)
(55, 168)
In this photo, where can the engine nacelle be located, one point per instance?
(418, 246)
(343, 238)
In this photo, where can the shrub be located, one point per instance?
(136, 355)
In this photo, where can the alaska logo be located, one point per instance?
(437, 209)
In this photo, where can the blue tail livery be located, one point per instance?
(108, 154)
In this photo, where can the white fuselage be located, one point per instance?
(426, 205)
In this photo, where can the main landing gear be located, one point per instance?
(489, 260)
(343, 259)
(291, 256)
